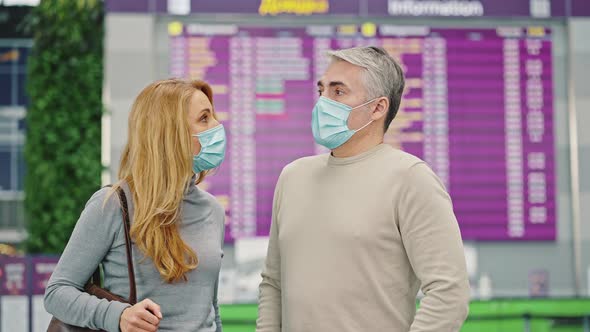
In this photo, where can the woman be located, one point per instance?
(177, 229)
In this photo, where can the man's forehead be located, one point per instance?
(340, 72)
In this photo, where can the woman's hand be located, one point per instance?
(145, 316)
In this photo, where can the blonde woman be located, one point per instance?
(177, 229)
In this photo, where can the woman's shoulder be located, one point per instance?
(209, 202)
(105, 197)
(212, 200)
(104, 207)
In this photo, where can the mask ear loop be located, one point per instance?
(363, 127)
(361, 105)
(365, 103)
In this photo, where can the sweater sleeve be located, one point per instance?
(269, 309)
(215, 291)
(90, 241)
(434, 247)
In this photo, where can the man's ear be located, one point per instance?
(380, 109)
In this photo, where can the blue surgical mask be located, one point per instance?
(212, 149)
(329, 122)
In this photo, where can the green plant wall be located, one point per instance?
(63, 143)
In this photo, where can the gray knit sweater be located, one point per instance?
(99, 237)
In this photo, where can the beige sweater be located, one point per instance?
(352, 241)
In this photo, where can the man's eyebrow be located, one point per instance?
(333, 84)
(338, 83)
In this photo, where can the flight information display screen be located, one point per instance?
(478, 107)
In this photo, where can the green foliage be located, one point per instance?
(62, 150)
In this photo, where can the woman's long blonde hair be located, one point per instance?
(157, 165)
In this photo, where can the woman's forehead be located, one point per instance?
(200, 102)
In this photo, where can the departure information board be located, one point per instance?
(478, 107)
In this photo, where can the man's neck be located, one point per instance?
(355, 147)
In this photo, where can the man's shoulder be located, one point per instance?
(305, 164)
(398, 159)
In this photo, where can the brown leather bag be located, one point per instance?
(94, 285)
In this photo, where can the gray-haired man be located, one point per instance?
(357, 232)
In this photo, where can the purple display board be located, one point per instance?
(362, 8)
(14, 275)
(41, 270)
(478, 107)
(580, 8)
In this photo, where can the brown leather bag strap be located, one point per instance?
(95, 279)
(130, 270)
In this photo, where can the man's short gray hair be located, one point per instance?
(383, 76)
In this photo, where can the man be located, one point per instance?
(356, 233)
